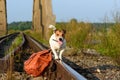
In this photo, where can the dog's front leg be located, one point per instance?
(55, 53)
(61, 52)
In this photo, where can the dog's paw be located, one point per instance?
(56, 58)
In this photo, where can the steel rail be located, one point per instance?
(2, 37)
(73, 72)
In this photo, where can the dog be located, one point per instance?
(57, 42)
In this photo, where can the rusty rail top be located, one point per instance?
(2, 37)
(73, 72)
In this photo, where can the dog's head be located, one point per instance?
(60, 35)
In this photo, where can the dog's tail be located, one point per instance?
(52, 27)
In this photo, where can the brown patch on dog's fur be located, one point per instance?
(60, 32)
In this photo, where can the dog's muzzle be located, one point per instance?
(60, 39)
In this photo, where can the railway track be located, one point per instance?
(58, 71)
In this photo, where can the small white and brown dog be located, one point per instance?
(57, 42)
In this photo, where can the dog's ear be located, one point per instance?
(64, 31)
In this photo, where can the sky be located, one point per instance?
(82, 10)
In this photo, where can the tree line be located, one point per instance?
(20, 25)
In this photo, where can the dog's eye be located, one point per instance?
(57, 34)
(63, 35)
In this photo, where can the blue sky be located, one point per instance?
(82, 10)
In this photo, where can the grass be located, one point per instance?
(110, 42)
(16, 43)
(80, 35)
(76, 33)
(37, 36)
(75, 36)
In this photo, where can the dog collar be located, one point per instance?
(54, 40)
(59, 42)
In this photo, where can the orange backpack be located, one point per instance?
(37, 62)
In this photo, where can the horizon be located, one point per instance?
(68, 22)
